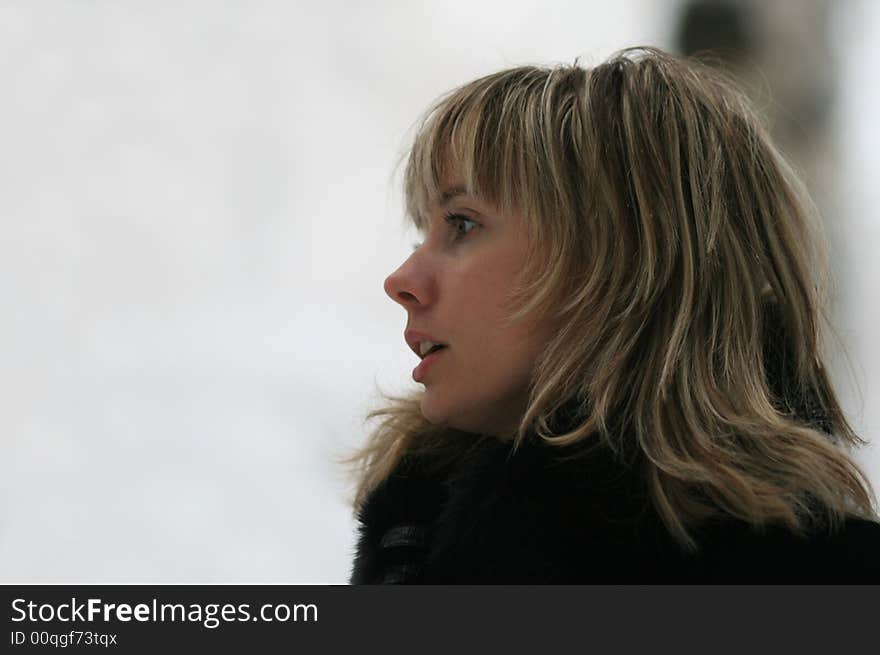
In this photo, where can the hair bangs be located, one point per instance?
(481, 136)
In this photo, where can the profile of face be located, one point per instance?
(475, 366)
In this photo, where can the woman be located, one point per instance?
(617, 309)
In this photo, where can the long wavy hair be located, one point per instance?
(685, 266)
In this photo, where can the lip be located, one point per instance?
(414, 337)
(420, 371)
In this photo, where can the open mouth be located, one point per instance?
(429, 347)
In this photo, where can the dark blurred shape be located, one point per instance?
(723, 28)
(780, 52)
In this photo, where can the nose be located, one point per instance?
(411, 285)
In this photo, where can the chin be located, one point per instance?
(431, 412)
(436, 413)
(443, 414)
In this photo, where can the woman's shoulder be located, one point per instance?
(601, 492)
(593, 513)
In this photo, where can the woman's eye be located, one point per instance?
(461, 224)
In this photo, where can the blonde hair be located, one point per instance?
(678, 254)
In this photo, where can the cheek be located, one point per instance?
(481, 295)
(502, 361)
(480, 308)
(481, 311)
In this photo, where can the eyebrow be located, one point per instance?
(449, 194)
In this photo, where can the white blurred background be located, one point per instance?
(198, 211)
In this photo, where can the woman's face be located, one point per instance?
(453, 288)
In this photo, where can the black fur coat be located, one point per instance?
(542, 515)
(530, 518)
